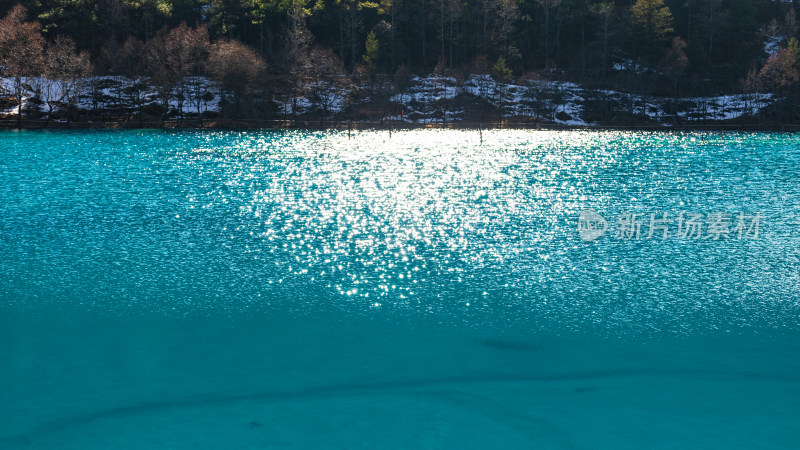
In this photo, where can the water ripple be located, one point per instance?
(422, 222)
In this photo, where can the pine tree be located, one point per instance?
(652, 27)
(371, 47)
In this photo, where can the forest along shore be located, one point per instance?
(477, 101)
(642, 63)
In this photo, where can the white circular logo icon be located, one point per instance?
(591, 225)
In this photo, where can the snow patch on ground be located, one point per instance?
(323, 98)
(725, 107)
(431, 99)
(426, 101)
(630, 66)
(772, 44)
(197, 94)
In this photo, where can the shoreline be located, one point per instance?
(253, 124)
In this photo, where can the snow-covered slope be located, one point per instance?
(431, 99)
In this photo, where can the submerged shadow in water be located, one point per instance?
(502, 344)
(410, 387)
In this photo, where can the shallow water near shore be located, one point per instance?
(425, 289)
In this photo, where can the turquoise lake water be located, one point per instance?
(428, 289)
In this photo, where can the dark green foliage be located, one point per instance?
(719, 42)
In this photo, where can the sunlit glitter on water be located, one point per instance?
(272, 264)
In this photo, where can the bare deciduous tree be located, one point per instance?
(66, 69)
(547, 7)
(21, 52)
(237, 68)
(297, 57)
(330, 81)
(128, 63)
(676, 62)
(187, 51)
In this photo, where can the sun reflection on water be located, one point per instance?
(427, 217)
(422, 221)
